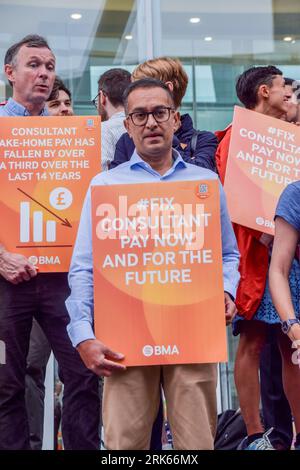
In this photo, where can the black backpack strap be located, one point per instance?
(194, 142)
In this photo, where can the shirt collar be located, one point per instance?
(178, 161)
(119, 115)
(17, 109)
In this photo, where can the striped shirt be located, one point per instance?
(111, 131)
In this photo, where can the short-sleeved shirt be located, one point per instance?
(288, 206)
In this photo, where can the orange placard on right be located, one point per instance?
(264, 157)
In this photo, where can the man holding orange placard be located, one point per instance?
(133, 392)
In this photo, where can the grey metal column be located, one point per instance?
(149, 29)
(156, 28)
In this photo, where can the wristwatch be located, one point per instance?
(286, 325)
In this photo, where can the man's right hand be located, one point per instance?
(96, 356)
(16, 268)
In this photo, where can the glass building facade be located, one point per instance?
(215, 41)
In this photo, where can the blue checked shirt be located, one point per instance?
(12, 108)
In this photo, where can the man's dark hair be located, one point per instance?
(295, 84)
(57, 87)
(113, 82)
(289, 81)
(249, 82)
(145, 83)
(32, 40)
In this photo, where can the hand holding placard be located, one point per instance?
(16, 268)
(95, 356)
(230, 309)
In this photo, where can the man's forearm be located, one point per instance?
(281, 294)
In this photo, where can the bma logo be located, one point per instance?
(157, 350)
(2, 353)
(44, 260)
(264, 222)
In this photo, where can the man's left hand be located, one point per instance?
(230, 308)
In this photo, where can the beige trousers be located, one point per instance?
(131, 401)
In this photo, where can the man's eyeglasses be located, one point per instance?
(140, 118)
(95, 101)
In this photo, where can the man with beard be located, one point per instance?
(109, 104)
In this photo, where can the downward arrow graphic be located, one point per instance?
(64, 222)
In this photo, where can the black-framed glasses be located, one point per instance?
(95, 101)
(140, 118)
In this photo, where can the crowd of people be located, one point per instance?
(145, 139)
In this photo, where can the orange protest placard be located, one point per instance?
(158, 286)
(46, 164)
(264, 157)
